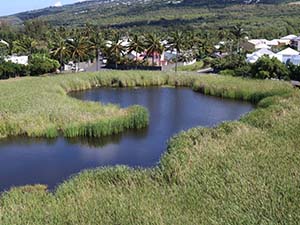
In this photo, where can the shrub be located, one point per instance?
(9, 69)
(267, 67)
(229, 62)
(41, 64)
(294, 71)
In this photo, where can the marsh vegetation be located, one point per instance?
(240, 171)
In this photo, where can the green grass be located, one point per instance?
(242, 172)
(192, 68)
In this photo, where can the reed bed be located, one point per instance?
(241, 172)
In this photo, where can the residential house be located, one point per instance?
(284, 56)
(23, 60)
(294, 60)
(287, 39)
(287, 54)
(253, 44)
(295, 43)
(253, 57)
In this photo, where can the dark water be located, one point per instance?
(43, 161)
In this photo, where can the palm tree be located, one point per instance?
(97, 43)
(78, 48)
(137, 45)
(153, 45)
(116, 49)
(206, 48)
(238, 32)
(177, 41)
(60, 50)
(25, 45)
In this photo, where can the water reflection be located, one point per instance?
(50, 161)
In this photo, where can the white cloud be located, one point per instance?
(58, 4)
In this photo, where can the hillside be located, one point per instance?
(85, 10)
(272, 19)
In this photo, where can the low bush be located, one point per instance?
(41, 64)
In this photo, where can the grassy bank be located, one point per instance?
(243, 172)
(39, 107)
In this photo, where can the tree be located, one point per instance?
(116, 49)
(269, 68)
(78, 48)
(97, 44)
(60, 50)
(25, 45)
(41, 64)
(36, 29)
(136, 44)
(177, 41)
(153, 46)
(294, 71)
(9, 69)
(238, 32)
(4, 49)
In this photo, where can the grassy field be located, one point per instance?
(242, 172)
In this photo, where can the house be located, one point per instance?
(274, 43)
(295, 43)
(23, 60)
(253, 57)
(159, 59)
(287, 39)
(294, 60)
(287, 54)
(253, 44)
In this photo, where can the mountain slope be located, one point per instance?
(263, 20)
(91, 10)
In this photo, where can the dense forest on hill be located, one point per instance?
(263, 20)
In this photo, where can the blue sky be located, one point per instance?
(8, 7)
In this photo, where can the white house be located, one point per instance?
(274, 42)
(23, 60)
(288, 39)
(253, 44)
(287, 54)
(295, 60)
(253, 57)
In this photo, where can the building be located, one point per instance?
(287, 54)
(254, 44)
(295, 43)
(294, 60)
(253, 57)
(23, 60)
(287, 39)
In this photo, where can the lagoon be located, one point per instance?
(27, 161)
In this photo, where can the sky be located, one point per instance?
(8, 7)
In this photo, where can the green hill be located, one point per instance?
(272, 17)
